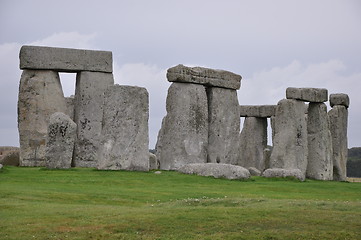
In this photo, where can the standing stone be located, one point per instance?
(124, 143)
(224, 125)
(40, 95)
(290, 139)
(153, 162)
(183, 138)
(88, 115)
(60, 141)
(319, 143)
(338, 126)
(70, 106)
(266, 157)
(253, 141)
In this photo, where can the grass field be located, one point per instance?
(36, 203)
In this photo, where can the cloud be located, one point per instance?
(269, 86)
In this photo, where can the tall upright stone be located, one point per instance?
(183, 137)
(88, 115)
(338, 126)
(40, 95)
(60, 141)
(224, 126)
(70, 106)
(253, 141)
(290, 146)
(320, 165)
(124, 139)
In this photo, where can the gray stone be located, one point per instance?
(319, 143)
(254, 171)
(266, 157)
(263, 111)
(124, 143)
(216, 170)
(60, 141)
(40, 95)
(153, 162)
(88, 115)
(307, 94)
(279, 172)
(290, 146)
(338, 126)
(183, 137)
(65, 59)
(339, 99)
(204, 76)
(11, 158)
(69, 101)
(1, 166)
(253, 141)
(224, 126)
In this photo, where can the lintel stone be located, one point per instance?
(263, 111)
(65, 59)
(317, 95)
(339, 99)
(205, 76)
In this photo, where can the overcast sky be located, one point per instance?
(271, 44)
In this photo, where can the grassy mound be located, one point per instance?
(87, 204)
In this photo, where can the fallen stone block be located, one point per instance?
(254, 171)
(205, 76)
(60, 141)
(65, 59)
(262, 111)
(279, 172)
(216, 170)
(307, 94)
(339, 99)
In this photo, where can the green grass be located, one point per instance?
(87, 204)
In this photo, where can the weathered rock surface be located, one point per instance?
(10, 158)
(224, 126)
(266, 157)
(338, 126)
(183, 137)
(216, 170)
(290, 146)
(204, 76)
(318, 95)
(124, 143)
(88, 115)
(153, 162)
(65, 59)
(40, 95)
(254, 171)
(339, 99)
(253, 141)
(263, 111)
(60, 141)
(279, 172)
(320, 164)
(69, 101)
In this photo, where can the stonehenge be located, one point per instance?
(202, 121)
(105, 125)
(41, 96)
